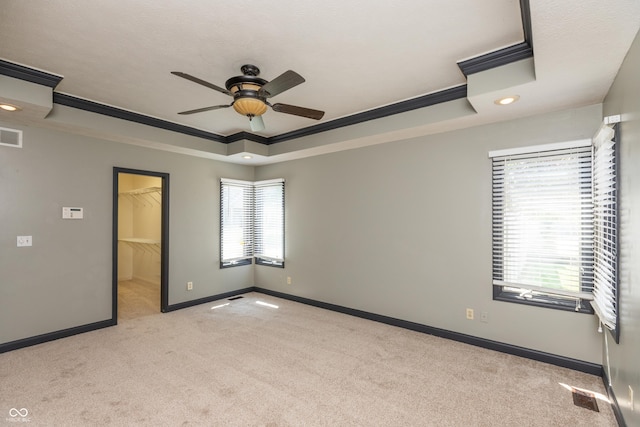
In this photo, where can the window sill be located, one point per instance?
(545, 301)
(269, 263)
(237, 263)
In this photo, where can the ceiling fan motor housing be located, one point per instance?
(245, 89)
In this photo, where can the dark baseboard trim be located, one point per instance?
(107, 110)
(29, 74)
(51, 336)
(614, 401)
(565, 362)
(186, 304)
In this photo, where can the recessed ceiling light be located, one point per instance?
(246, 156)
(9, 107)
(507, 100)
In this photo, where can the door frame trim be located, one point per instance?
(164, 238)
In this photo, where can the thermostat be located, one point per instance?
(72, 213)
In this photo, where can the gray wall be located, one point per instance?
(400, 229)
(64, 280)
(403, 229)
(624, 358)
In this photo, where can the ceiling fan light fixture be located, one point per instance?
(250, 106)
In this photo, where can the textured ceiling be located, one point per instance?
(356, 55)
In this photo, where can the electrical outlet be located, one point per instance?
(24, 241)
(484, 317)
(189, 286)
(470, 313)
(288, 280)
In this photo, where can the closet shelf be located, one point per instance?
(147, 245)
(140, 240)
(144, 194)
(142, 191)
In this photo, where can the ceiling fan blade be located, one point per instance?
(298, 111)
(284, 81)
(256, 123)
(200, 110)
(201, 82)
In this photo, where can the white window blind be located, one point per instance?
(543, 221)
(251, 222)
(236, 220)
(269, 220)
(605, 227)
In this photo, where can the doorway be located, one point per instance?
(140, 243)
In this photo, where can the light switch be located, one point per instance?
(24, 241)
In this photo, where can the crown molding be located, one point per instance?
(397, 108)
(107, 110)
(496, 58)
(484, 62)
(29, 74)
(377, 113)
(525, 14)
(248, 136)
(505, 55)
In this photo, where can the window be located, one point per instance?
(236, 222)
(251, 222)
(605, 199)
(269, 222)
(543, 226)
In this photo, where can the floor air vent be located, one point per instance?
(11, 137)
(584, 399)
(234, 298)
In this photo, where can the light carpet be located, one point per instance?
(246, 364)
(137, 298)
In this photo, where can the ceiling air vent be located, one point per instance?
(11, 137)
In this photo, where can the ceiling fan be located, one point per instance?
(250, 94)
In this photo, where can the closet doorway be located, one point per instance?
(140, 243)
